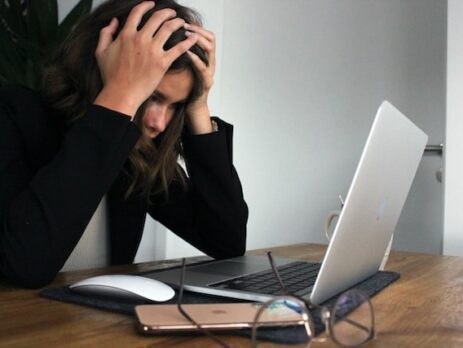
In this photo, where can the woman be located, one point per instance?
(125, 96)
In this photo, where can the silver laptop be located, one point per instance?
(372, 208)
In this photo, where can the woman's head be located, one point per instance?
(73, 80)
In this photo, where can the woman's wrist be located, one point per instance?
(199, 121)
(117, 101)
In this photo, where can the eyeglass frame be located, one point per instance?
(325, 312)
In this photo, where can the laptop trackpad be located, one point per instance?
(228, 268)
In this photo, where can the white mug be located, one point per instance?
(334, 215)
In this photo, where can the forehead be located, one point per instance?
(175, 86)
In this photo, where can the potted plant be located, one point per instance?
(29, 34)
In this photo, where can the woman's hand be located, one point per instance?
(198, 111)
(133, 64)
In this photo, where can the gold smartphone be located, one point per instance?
(162, 319)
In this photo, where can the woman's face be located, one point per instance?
(172, 92)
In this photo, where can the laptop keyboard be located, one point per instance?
(298, 277)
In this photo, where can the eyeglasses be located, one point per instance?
(350, 322)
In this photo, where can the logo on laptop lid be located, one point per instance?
(381, 209)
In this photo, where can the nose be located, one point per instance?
(158, 118)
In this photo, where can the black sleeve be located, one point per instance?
(44, 213)
(212, 214)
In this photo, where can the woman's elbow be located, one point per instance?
(234, 244)
(240, 231)
(238, 250)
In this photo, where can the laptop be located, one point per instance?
(380, 186)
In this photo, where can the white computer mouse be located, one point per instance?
(126, 286)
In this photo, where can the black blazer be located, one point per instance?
(52, 180)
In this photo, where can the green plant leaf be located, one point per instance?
(28, 35)
(82, 8)
(13, 17)
(44, 16)
(50, 20)
(32, 76)
(5, 72)
(12, 58)
(33, 30)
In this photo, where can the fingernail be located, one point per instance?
(190, 34)
(187, 25)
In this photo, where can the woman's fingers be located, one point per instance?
(206, 71)
(173, 53)
(166, 31)
(209, 35)
(206, 41)
(136, 14)
(156, 20)
(198, 110)
(107, 36)
(203, 42)
(200, 65)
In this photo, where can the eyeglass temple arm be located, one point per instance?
(186, 315)
(277, 275)
(354, 323)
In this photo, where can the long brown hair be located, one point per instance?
(72, 81)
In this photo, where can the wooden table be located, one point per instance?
(422, 309)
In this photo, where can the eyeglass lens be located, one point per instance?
(352, 320)
(286, 312)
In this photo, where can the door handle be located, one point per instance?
(435, 148)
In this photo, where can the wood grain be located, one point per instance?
(422, 309)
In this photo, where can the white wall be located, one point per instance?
(453, 220)
(64, 6)
(301, 81)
